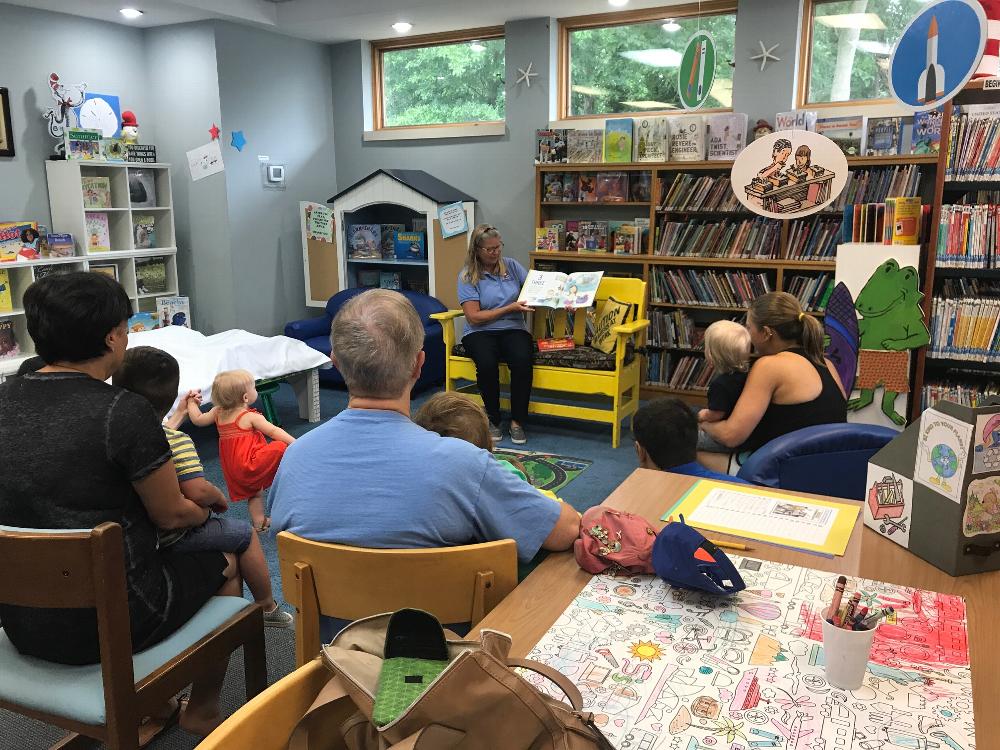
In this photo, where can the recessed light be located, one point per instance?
(401, 27)
(130, 13)
(670, 25)
(477, 46)
(617, 3)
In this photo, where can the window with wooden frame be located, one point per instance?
(626, 63)
(846, 45)
(453, 78)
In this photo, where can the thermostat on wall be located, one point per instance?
(273, 176)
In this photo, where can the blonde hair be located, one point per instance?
(229, 388)
(473, 272)
(727, 346)
(453, 415)
(781, 312)
(376, 338)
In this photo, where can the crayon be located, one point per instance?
(872, 620)
(838, 592)
(848, 617)
(859, 616)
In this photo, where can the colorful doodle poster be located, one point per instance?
(982, 507)
(888, 504)
(696, 73)
(986, 444)
(937, 53)
(942, 450)
(788, 174)
(666, 669)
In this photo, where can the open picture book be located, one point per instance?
(555, 289)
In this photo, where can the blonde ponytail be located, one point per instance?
(812, 340)
(781, 312)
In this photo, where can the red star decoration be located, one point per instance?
(214, 132)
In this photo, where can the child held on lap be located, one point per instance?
(155, 375)
(452, 415)
(249, 461)
(727, 349)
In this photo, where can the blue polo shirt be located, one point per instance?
(695, 469)
(492, 292)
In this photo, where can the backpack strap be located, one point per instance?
(325, 716)
(555, 677)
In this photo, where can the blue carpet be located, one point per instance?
(564, 436)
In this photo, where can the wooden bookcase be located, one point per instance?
(69, 217)
(779, 269)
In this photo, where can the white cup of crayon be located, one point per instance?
(848, 634)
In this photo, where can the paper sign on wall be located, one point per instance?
(453, 220)
(942, 450)
(205, 161)
(318, 222)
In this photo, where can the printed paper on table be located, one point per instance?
(942, 450)
(769, 516)
(666, 669)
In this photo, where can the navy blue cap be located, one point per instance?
(684, 558)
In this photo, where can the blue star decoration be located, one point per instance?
(239, 141)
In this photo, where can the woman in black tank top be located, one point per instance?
(777, 324)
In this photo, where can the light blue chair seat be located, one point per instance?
(77, 693)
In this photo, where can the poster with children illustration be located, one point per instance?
(986, 446)
(788, 174)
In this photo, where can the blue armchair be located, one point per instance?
(315, 332)
(826, 459)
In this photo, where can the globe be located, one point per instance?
(944, 461)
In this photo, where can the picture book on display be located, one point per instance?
(142, 188)
(8, 341)
(592, 237)
(390, 280)
(569, 187)
(368, 277)
(364, 241)
(652, 139)
(143, 321)
(82, 144)
(555, 289)
(18, 241)
(552, 187)
(108, 269)
(799, 119)
(687, 138)
(409, 246)
(60, 245)
(96, 192)
(388, 232)
(640, 187)
(547, 239)
(612, 187)
(585, 146)
(98, 233)
(926, 132)
(624, 237)
(550, 146)
(173, 311)
(151, 275)
(618, 140)
(726, 136)
(846, 132)
(6, 301)
(884, 136)
(144, 231)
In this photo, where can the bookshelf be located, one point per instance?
(786, 266)
(69, 216)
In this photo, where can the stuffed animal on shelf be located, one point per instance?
(762, 128)
(130, 128)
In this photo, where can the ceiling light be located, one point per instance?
(130, 13)
(655, 58)
(670, 26)
(617, 3)
(648, 104)
(874, 47)
(401, 27)
(477, 46)
(852, 21)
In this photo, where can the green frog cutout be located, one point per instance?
(892, 323)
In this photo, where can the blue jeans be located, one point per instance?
(217, 534)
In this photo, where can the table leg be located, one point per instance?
(306, 387)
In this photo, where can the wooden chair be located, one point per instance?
(455, 584)
(106, 701)
(607, 396)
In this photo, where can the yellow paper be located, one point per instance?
(790, 520)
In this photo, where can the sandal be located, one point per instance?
(152, 727)
(264, 527)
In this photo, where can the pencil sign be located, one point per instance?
(937, 53)
(696, 73)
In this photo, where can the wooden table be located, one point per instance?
(539, 600)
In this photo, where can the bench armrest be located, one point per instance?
(450, 315)
(630, 328)
(308, 328)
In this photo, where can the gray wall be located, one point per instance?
(109, 58)
(495, 170)
(762, 93)
(279, 91)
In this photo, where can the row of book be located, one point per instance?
(875, 184)
(386, 241)
(690, 192)
(813, 292)
(687, 372)
(966, 328)
(707, 288)
(87, 144)
(395, 280)
(673, 329)
(596, 187)
(897, 221)
(813, 239)
(141, 190)
(593, 236)
(974, 143)
(870, 136)
(967, 393)
(749, 238)
(969, 236)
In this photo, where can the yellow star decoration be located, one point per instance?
(646, 651)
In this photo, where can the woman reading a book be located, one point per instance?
(495, 330)
(791, 385)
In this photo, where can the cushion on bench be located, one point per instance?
(580, 357)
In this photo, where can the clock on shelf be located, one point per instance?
(100, 112)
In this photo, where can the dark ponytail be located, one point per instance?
(781, 312)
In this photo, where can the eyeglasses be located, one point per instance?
(496, 249)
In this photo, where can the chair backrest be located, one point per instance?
(424, 304)
(826, 459)
(628, 290)
(455, 584)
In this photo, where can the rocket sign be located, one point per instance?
(937, 53)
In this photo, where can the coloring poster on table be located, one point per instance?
(982, 507)
(986, 444)
(942, 450)
(888, 504)
(788, 174)
(870, 340)
(667, 669)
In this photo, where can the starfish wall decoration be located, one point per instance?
(525, 75)
(765, 54)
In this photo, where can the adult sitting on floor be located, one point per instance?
(666, 438)
(98, 454)
(370, 477)
(790, 386)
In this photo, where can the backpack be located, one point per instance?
(614, 541)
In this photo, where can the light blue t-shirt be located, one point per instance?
(492, 292)
(373, 478)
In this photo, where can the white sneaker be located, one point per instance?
(517, 434)
(495, 435)
(278, 618)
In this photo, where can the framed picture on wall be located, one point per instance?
(6, 126)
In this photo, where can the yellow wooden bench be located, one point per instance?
(610, 395)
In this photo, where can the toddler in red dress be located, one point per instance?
(249, 461)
